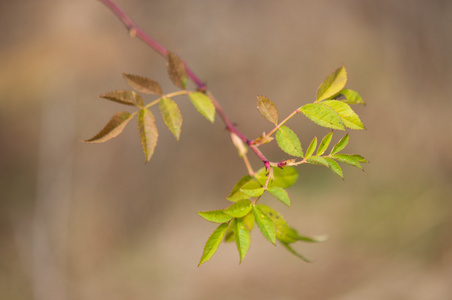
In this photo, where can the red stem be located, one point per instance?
(135, 31)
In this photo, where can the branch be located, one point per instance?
(135, 31)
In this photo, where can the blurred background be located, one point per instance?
(84, 221)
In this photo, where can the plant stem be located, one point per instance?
(135, 31)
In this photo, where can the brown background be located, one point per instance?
(81, 221)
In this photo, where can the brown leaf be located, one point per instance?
(148, 132)
(143, 84)
(176, 70)
(114, 127)
(121, 96)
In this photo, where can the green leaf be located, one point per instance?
(348, 159)
(324, 143)
(143, 84)
(332, 84)
(239, 209)
(215, 216)
(267, 109)
(322, 115)
(213, 243)
(242, 238)
(265, 224)
(113, 128)
(340, 145)
(334, 166)
(311, 148)
(288, 141)
(176, 70)
(360, 158)
(121, 96)
(351, 97)
(148, 132)
(236, 194)
(317, 160)
(171, 116)
(291, 250)
(346, 113)
(280, 194)
(284, 177)
(252, 188)
(203, 104)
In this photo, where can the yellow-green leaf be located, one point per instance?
(242, 237)
(339, 146)
(265, 224)
(347, 159)
(332, 84)
(176, 70)
(351, 97)
(239, 209)
(236, 194)
(213, 243)
(346, 113)
(284, 177)
(113, 128)
(143, 84)
(334, 166)
(324, 143)
(203, 104)
(311, 148)
(148, 132)
(171, 116)
(322, 115)
(267, 109)
(280, 194)
(288, 141)
(215, 216)
(252, 188)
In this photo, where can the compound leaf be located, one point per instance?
(113, 128)
(348, 159)
(351, 97)
(324, 143)
(332, 84)
(288, 141)
(280, 194)
(143, 84)
(267, 109)
(203, 104)
(242, 237)
(340, 145)
(284, 177)
(311, 148)
(346, 113)
(215, 216)
(148, 132)
(176, 70)
(334, 166)
(120, 96)
(322, 115)
(239, 209)
(236, 194)
(213, 243)
(265, 224)
(171, 116)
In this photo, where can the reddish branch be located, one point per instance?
(135, 31)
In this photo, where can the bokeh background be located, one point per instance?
(83, 221)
